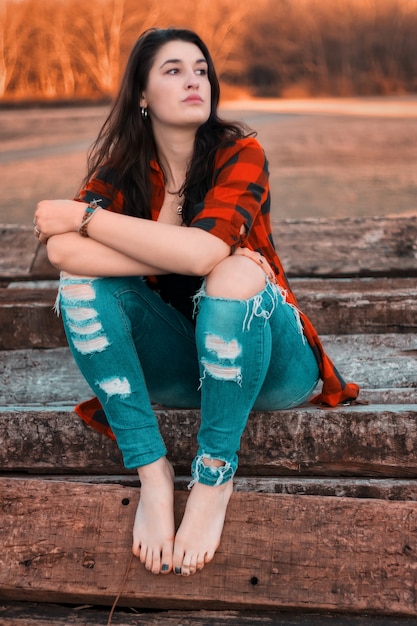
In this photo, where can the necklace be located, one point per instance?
(178, 196)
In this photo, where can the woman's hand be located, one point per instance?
(55, 217)
(259, 260)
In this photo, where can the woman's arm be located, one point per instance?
(164, 247)
(84, 256)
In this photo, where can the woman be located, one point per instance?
(175, 294)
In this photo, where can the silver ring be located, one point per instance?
(37, 231)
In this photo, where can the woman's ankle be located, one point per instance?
(159, 470)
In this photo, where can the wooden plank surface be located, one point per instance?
(31, 614)
(350, 553)
(337, 486)
(378, 246)
(380, 364)
(27, 319)
(335, 306)
(355, 441)
(374, 246)
(355, 306)
(71, 543)
(18, 251)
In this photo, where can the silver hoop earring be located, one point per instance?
(144, 112)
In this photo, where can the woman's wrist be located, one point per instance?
(89, 212)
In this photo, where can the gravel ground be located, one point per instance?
(328, 158)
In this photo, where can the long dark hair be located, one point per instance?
(125, 143)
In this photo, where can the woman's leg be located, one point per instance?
(131, 347)
(224, 324)
(240, 323)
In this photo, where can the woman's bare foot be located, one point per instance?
(199, 534)
(154, 527)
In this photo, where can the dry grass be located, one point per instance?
(290, 48)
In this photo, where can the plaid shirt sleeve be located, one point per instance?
(239, 194)
(102, 188)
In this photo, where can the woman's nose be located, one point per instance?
(192, 81)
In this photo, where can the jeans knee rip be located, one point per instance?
(210, 474)
(83, 324)
(255, 305)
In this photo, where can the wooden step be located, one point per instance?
(38, 389)
(335, 306)
(358, 306)
(384, 365)
(70, 542)
(374, 440)
(323, 514)
(32, 614)
(372, 246)
(299, 485)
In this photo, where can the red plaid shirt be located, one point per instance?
(239, 196)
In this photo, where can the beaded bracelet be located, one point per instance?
(88, 215)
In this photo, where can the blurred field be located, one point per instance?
(328, 157)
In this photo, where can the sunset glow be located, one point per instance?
(70, 49)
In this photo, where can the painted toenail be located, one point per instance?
(164, 567)
(178, 570)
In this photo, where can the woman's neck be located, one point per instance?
(175, 151)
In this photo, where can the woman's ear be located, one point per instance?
(142, 102)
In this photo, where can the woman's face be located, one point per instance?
(178, 93)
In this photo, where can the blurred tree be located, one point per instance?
(76, 49)
(14, 32)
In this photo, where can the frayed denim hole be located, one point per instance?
(225, 352)
(82, 321)
(215, 475)
(90, 345)
(115, 386)
(222, 348)
(201, 293)
(226, 373)
(66, 283)
(283, 293)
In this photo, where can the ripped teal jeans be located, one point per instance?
(134, 350)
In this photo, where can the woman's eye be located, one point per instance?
(202, 72)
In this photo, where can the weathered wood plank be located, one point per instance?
(378, 246)
(374, 246)
(339, 486)
(335, 306)
(27, 319)
(19, 247)
(23, 257)
(31, 614)
(40, 377)
(354, 306)
(71, 543)
(376, 362)
(41, 267)
(354, 441)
